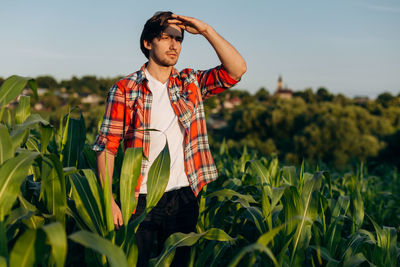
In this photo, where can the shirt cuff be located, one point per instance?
(103, 143)
(228, 80)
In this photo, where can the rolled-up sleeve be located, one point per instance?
(112, 127)
(214, 81)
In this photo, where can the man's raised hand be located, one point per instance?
(189, 24)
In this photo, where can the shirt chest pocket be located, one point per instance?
(191, 96)
(135, 111)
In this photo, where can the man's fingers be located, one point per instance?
(120, 221)
(181, 17)
(175, 21)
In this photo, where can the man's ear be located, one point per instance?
(147, 44)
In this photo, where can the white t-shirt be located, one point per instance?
(164, 119)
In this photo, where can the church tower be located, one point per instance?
(280, 84)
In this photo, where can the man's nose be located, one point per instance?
(173, 44)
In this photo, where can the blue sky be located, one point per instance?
(347, 46)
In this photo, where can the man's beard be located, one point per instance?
(165, 62)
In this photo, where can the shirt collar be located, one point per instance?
(142, 77)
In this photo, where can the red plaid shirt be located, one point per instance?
(128, 109)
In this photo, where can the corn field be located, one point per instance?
(54, 212)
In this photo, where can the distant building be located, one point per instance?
(91, 99)
(361, 99)
(281, 92)
(231, 103)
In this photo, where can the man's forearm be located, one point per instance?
(101, 166)
(230, 58)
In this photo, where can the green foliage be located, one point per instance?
(258, 213)
(320, 130)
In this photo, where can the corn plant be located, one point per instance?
(54, 211)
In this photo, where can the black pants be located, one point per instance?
(177, 211)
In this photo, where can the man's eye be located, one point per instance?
(178, 39)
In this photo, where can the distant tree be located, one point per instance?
(47, 82)
(342, 99)
(89, 84)
(1, 81)
(385, 98)
(71, 84)
(262, 95)
(323, 95)
(307, 95)
(105, 85)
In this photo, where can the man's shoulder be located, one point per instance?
(131, 81)
(186, 73)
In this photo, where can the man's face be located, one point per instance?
(165, 50)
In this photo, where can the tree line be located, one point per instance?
(316, 127)
(313, 126)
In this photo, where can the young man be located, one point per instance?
(159, 97)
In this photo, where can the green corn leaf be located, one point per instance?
(86, 204)
(245, 200)
(23, 110)
(89, 157)
(217, 234)
(325, 254)
(58, 241)
(130, 172)
(277, 193)
(19, 138)
(386, 241)
(206, 253)
(3, 240)
(75, 140)
(251, 249)
(32, 221)
(355, 260)
(266, 206)
(308, 211)
(53, 186)
(257, 218)
(262, 172)
(289, 173)
(357, 204)
(133, 252)
(269, 236)
(6, 151)
(292, 207)
(217, 252)
(32, 144)
(46, 133)
(13, 86)
(17, 214)
(354, 246)
(180, 239)
(9, 120)
(63, 133)
(107, 211)
(3, 262)
(274, 172)
(334, 234)
(158, 178)
(23, 252)
(13, 172)
(95, 188)
(114, 254)
(29, 123)
(223, 148)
